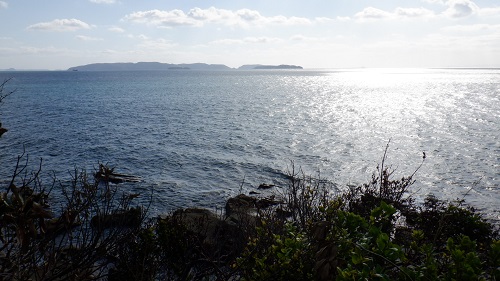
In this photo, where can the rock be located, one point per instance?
(265, 186)
(197, 220)
(2, 130)
(107, 174)
(265, 203)
(240, 204)
(217, 234)
(124, 218)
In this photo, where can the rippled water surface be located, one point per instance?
(197, 138)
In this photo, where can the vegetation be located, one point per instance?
(375, 231)
(3, 95)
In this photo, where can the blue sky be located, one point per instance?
(58, 34)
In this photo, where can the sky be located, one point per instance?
(58, 34)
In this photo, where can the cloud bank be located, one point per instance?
(60, 25)
(198, 17)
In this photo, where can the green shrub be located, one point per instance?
(278, 257)
(442, 220)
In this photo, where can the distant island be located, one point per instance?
(129, 66)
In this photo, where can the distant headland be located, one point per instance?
(129, 66)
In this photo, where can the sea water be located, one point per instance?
(198, 137)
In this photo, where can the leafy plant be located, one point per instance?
(284, 256)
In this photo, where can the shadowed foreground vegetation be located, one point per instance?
(375, 231)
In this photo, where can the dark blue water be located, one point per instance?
(197, 138)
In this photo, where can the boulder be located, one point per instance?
(217, 235)
(265, 186)
(123, 218)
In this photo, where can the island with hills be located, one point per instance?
(142, 66)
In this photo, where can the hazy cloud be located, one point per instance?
(371, 13)
(157, 44)
(490, 11)
(103, 1)
(341, 19)
(251, 40)
(434, 1)
(227, 41)
(4, 4)
(88, 38)
(199, 17)
(261, 40)
(142, 37)
(29, 50)
(116, 29)
(60, 25)
(473, 28)
(302, 38)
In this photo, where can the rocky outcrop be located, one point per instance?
(107, 174)
(124, 218)
(229, 228)
(244, 207)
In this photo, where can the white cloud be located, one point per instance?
(199, 17)
(163, 18)
(453, 9)
(413, 12)
(4, 4)
(460, 8)
(116, 29)
(371, 13)
(88, 38)
(60, 25)
(140, 36)
(103, 1)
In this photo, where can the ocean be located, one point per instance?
(197, 138)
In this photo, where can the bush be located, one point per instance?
(41, 243)
(286, 256)
(3, 95)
